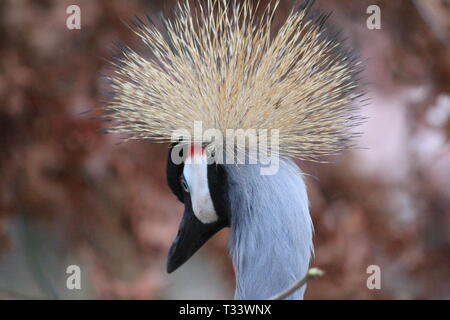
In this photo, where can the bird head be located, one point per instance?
(200, 186)
(227, 65)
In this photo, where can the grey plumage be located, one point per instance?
(271, 230)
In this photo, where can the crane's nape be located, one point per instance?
(225, 64)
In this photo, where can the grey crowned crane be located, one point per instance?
(226, 67)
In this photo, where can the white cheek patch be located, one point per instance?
(196, 175)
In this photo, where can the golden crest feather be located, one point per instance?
(224, 65)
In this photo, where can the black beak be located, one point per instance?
(192, 234)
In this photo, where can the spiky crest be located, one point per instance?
(226, 66)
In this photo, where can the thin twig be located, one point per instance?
(312, 274)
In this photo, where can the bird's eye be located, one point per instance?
(184, 184)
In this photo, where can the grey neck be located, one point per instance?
(271, 229)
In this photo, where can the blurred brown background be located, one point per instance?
(69, 195)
